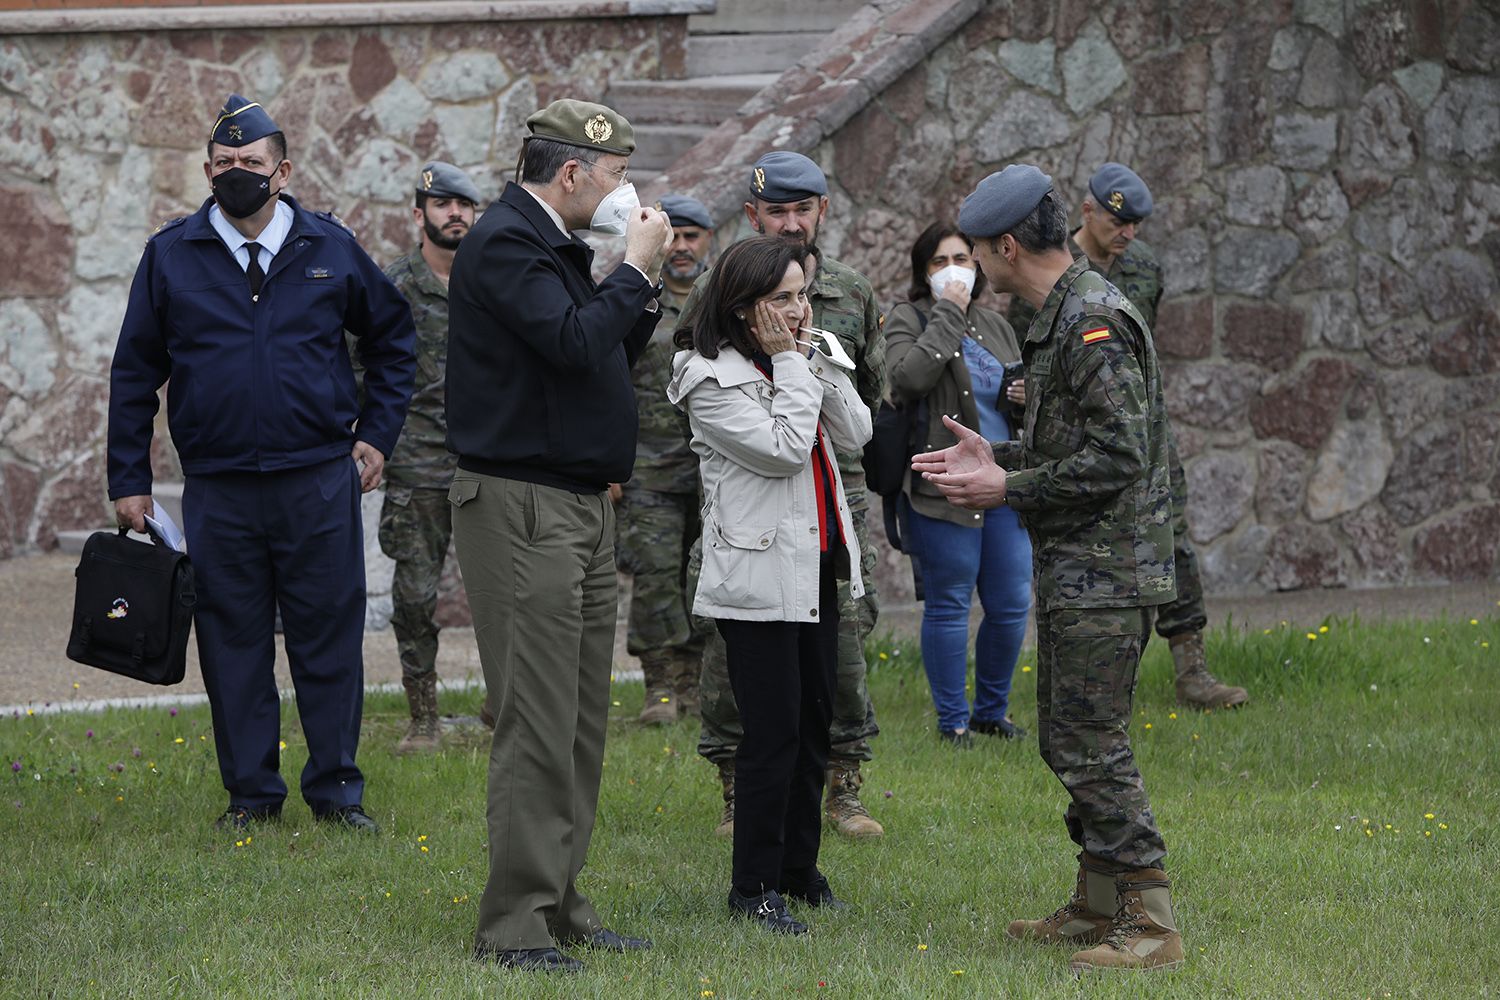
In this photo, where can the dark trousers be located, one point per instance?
(782, 674)
(291, 539)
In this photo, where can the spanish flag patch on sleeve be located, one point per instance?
(1095, 335)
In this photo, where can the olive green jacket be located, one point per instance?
(928, 364)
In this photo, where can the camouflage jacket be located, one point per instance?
(1092, 483)
(1136, 272)
(843, 303)
(664, 462)
(421, 458)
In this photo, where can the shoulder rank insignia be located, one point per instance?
(1095, 335)
(165, 226)
(336, 221)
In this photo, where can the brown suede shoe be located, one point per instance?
(1084, 919)
(1196, 687)
(1143, 934)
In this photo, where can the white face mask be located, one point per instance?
(953, 272)
(615, 211)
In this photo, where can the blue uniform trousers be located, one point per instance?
(291, 539)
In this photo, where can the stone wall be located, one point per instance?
(1328, 213)
(103, 139)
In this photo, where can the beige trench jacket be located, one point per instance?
(754, 441)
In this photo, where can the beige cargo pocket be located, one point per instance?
(739, 566)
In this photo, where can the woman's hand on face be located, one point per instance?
(955, 292)
(771, 331)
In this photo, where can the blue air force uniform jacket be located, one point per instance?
(256, 386)
(539, 355)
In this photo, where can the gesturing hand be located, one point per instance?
(966, 472)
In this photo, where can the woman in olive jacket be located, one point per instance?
(767, 409)
(949, 353)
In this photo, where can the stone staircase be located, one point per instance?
(732, 55)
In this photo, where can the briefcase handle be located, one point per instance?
(155, 535)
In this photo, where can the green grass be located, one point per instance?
(115, 885)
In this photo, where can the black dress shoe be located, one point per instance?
(605, 939)
(1003, 728)
(958, 739)
(239, 817)
(768, 908)
(815, 893)
(529, 959)
(350, 818)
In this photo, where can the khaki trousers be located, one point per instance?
(539, 567)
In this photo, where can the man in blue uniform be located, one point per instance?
(243, 306)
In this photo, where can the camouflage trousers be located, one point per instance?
(657, 531)
(1186, 613)
(415, 526)
(1086, 672)
(853, 723)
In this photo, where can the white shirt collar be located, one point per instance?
(270, 239)
(557, 220)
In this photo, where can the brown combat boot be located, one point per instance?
(1196, 687)
(845, 812)
(726, 778)
(1084, 919)
(1143, 934)
(423, 735)
(686, 668)
(660, 707)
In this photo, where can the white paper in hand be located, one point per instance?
(168, 529)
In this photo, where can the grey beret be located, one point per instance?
(1121, 191)
(685, 211)
(783, 177)
(444, 180)
(1002, 200)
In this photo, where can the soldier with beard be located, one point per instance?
(415, 524)
(658, 509)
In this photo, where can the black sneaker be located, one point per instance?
(816, 893)
(958, 739)
(350, 818)
(768, 908)
(1003, 728)
(237, 818)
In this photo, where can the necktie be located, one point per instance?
(256, 275)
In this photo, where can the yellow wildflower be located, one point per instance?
(424, 849)
(1442, 826)
(179, 740)
(1171, 715)
(921, 947)
(1428, 816)
(1026, 669)
(1312, 635)
(883, 656)
(1148, 725)
(1323, 629)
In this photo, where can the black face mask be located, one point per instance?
(241, 193)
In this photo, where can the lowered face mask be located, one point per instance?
(953, 272)
(615, 211)
(828, 345)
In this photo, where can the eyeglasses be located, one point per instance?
(620, 174)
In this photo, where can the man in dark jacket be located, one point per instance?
(542, 416)
(243, 306)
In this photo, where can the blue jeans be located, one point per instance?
(954, 560)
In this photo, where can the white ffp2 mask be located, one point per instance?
(615, 211)
(953, 272)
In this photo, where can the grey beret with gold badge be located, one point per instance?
(444, 180)
(1120, 190)
(580, 123)
(783, 177)
(1002, 201)
(685, 211)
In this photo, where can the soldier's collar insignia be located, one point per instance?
(760, 179)
(598, 129)
(1116, 201)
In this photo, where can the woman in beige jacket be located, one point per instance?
(948, 355)
(767, 407)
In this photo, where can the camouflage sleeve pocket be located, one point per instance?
(1096, 658)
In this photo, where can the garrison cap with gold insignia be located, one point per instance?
(685, 211)
(444, 180)
(1121, 191)
(241, 122)
(1002, 201)
(579, 123)
(783, 177)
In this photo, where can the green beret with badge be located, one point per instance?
(582, 124)
(1121, 192)
(444, 180)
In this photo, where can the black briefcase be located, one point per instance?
(133, 607)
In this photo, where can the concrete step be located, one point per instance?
(759, 52)
(705, 100)
(658, 146)
(742, 16)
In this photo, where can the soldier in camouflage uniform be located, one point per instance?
(1118, 201)
(414, 521)
(1089, 478)
(658, 510)
(789, 198)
